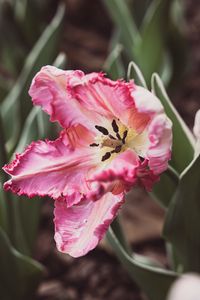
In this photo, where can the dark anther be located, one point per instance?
(111, 137)
(118, 136)
(106, 156)
(94, 145)
(124, 136)
(141, 158)
(102, 129)
(115, 126)
(117, 149)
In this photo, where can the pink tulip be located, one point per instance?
(115, 136)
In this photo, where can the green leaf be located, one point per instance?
(3, 210)
(5, 85)
(135, 73)
(26, 212)
(19, 275)
(182, 225)
(183, 140)
(177, 45)
(19, 217)
(30, 130)
(113, 64)
(139, 8)
(28, 218)
(37, 126)
(122, 18)
(149, 51)
(61, 60)
(154, 281)
(177, 42)
(117, 228)
(164, 190)
(17, 105)
(25, 13)
(3, 177)
(10, 38)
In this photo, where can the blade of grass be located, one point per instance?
(149, 51)
(16, 106)
(182, 224)
(19, 275)
(154, 281)
(181, 133)
(122, 18)
(113, 64)
(135, 73)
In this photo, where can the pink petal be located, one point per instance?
(49, 90)
(146, 102)
(79, 229)
(110, 99)
(160, 137)
(146, 177)
(124, 172)
(122, 168)
(71, 98)
(146, 106)
(102, 95)
(53, 168)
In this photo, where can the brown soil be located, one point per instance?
(99, 275)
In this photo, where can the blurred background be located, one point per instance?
(160, 36)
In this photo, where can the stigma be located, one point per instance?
(115, 140)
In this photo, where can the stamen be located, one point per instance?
(94, 145)
(141, 158)
(115, 126)
(124, 136)
(111, 137)
(102, 129)
(106, 156)
(118, 136)
(117, 149)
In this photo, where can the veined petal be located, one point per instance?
(79, 229)
(53, 168)
(108, 98)
(147, 105)
(122, 168)
(102, 95)
(71, 98)
(49, 90)
(146, 102)
(146, 177)
(160, 139)
(124, 171)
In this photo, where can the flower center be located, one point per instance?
(113, 141)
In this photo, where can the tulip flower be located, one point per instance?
(115, 135)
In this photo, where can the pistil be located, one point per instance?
(115, 143)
